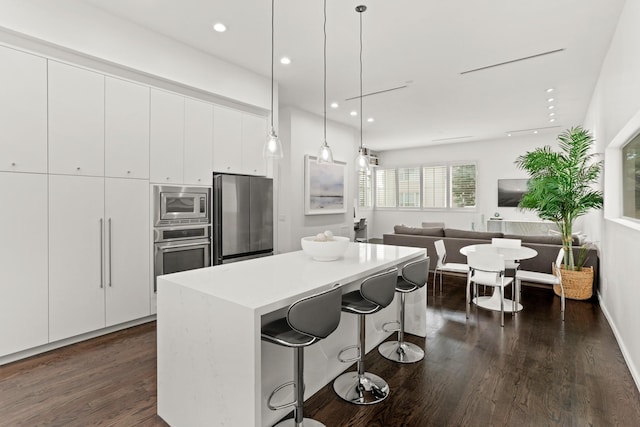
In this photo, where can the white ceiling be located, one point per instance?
(425, 44)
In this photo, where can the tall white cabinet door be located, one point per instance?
(76, 250)
(24, 321)
(198, 142)
(167, 137)
(126, 129)
(23, 112)
(254, 135)
(127, 241)
(76, 120)
(227, 140)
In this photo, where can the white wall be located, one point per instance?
(615, 102)
(87, 30)
(301, 133)
(495, 160)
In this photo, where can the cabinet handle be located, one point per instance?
(109, 252)
(101, 254)
(78, 168)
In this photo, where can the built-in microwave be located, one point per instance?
(176, 205)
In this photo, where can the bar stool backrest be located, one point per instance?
(416, 272)
(317, 315)
(380, 289)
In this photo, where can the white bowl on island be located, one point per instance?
(330, 249)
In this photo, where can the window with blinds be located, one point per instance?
(463, 186)
(434, 186)
(409, 187)
(364, 189)
(386, 188)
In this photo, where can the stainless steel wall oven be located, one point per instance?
(182, 232)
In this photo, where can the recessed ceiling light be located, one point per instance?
(552, 120)
(535, 131)
(508, 134)
(334, 105)
(370, 120)
(354, 113)
(551, 107)
(550, 90)
(551, 114)
(285, 60)
(550, 100)
(220, 27)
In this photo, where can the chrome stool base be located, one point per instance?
(306, 422)
(401, 353)
(361, 390)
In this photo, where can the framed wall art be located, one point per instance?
(325, 187)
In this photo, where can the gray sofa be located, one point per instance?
(454, 239)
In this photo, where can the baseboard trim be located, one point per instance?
(625, 353)
(13, 357)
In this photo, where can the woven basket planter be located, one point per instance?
(577, 284)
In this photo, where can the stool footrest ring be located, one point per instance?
(273, 393)
(354, 359)
(396, 326)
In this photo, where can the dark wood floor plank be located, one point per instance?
(536, 371)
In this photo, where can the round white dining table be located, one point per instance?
(510, 254)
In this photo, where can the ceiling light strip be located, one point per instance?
(513, 60)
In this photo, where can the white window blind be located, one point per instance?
(386, 188)
(409, 187)
(364, 189)
(463, 186)
(434, 186)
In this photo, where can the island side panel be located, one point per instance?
(207, 354)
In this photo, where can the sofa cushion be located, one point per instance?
(403, 229)
(466, 234)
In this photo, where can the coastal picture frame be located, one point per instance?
(325, 187)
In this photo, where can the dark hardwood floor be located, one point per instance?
(536, 371)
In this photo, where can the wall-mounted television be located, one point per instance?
(510, 191)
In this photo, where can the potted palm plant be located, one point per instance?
(560, 189)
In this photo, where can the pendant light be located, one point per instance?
(272, 148)
(324, 153)
(362, 160)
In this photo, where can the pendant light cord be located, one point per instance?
(272, 44)
(361, 80)
(324, 57)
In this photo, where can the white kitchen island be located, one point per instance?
(213, 368)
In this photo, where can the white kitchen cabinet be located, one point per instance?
(167, 137)
(254, 135)
(198, 142)
(227, 140)
(126, 129)
(76, 255)
(23, 262)
(76, 121)
(23, 112)
(238, 138)
(126, 250)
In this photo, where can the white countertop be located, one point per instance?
(268, 283)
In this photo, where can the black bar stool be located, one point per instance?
(308, 321)
(375, 293)
(414, 276)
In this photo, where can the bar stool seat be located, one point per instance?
(414, 277)
(360, 387)
(308, 320)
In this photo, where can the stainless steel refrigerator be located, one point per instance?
(242, 217)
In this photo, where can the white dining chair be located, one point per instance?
(442, 264)
(500, 242)
(486, 268)
(543, 278)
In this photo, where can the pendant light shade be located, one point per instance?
(362, 160)
(325, 155)
(272, 148)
